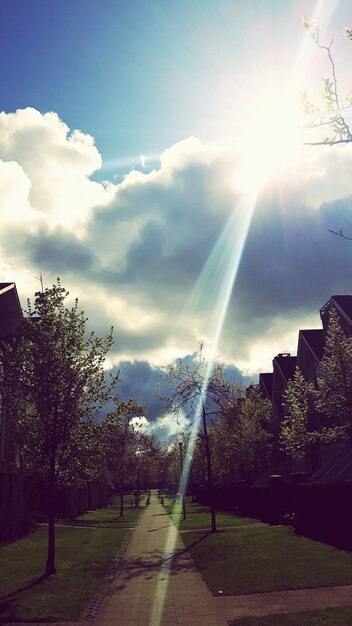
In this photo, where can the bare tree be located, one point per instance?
(330, 114)
(197, 393)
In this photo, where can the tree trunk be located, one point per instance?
(209, 471)
(121, 495)
(50, 564)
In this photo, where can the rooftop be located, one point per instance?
(315, 341)
(10, 310)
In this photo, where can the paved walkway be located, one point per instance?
(159, 585)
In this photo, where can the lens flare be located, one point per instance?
(216, 283)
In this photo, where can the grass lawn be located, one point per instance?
(198, 516)
(341, 616)
(83, 556)
(249, 560)
(108, 517)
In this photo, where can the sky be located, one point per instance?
(152, 155)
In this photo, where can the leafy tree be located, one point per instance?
(164, 464)
(334, 398)
(122, 441)
(254, 441)
(299, 397)
(197, 393)
(59, 388)
(242, 443)
(332, 401)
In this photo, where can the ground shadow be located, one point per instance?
(8, 602)
(150, 566)
(153, 530)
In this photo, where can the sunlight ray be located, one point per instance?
(216, 282)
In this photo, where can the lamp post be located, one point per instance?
(182, 481)
(2, 435)
(138, 493)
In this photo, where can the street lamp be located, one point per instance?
(138, 494)
(2, 441)
(182, 481)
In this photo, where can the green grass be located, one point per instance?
(250, 560)
(341, 616)
(83, 556)
(198, 516)
(108, 517)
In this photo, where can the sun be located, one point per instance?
(270, 142)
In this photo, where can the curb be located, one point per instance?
(90, 612)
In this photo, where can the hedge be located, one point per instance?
(322, 512)
(19, 499)
(22, 502)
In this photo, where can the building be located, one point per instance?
(10, 319)
(322, 463)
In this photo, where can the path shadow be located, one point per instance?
(150, 566)
(153, 530)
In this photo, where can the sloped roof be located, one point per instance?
(287, 365)
(266, 379)
(315, 341)
(10, 310)
(345, 303)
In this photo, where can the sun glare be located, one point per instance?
(270, 142)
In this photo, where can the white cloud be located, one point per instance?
(14, 193)
(139, 424)
(56, 163)
(167, 426)
(132, 252)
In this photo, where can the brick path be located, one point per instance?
(159, 585)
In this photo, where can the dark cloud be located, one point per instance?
(60, 252)
(139, 379)
(290, 266)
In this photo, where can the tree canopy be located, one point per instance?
(54, 387)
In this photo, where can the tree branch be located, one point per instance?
(339, 233)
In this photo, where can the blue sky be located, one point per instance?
(151, 155)
(140, 76)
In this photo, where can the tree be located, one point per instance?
(299, 397)
(60, 387)
(197, 393)
(241, 441)
(330, 113)
(334, 397)
(254, 442)
(332, 401)
(122, 442)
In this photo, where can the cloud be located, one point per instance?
(56, 162)
(148, 384)
(139, 424)
(133, 251)
(167, 427)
